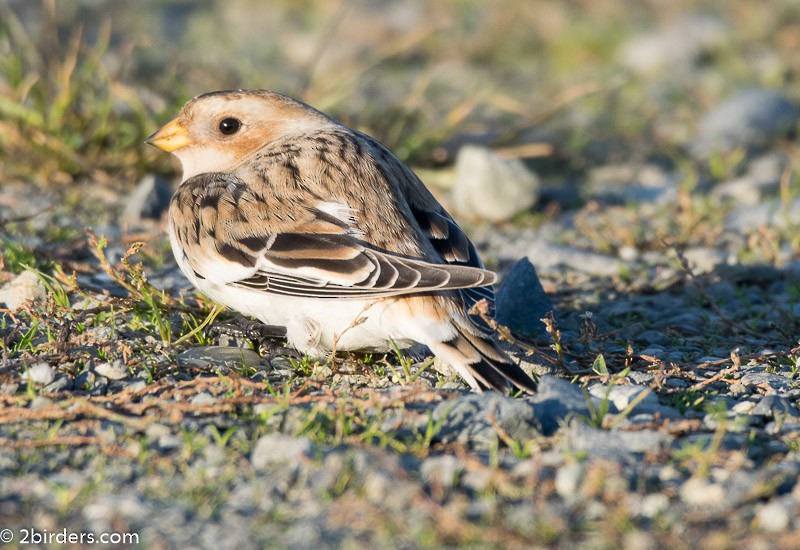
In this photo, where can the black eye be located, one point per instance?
(229, 126)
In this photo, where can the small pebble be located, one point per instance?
(440, 470)
(276, 449)
(568, 479)
(40, 373)
(112, 371)
(700, 492)
(40, 402)
(773, 517)
(25, 287)
(521, 302)
(203, 398)
(490, 187)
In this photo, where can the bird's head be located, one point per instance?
(217, 131)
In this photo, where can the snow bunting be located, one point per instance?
(288, 216)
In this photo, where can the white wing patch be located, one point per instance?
(343, 213)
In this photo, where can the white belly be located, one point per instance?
(316, 326)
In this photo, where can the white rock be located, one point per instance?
(677, 46)
(699, 492)
(490, 187)
(440, 470)
(279, 449)
(653, 504)
(743, 407)
(568, 479)
(704, 259)
(628, 253)
(25, 287)
(773, 517)
(113, 371)
(621, 396)
(40, 373)
(203, 398)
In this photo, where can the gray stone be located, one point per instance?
(765, 171)
(556, 400)
(743, 407)
(85, 380)
(792, 270)
(9, 388)
(40, 402)
(621, 396)
(774, 406)
(617, 446)
(556, 255)
(136, 385)
(701, 493)
(62, 382)
(39, 373)
(766, 380)
(276, 449)
(703, 259)
(743, 191)
(762, 180)
(156, 431)
(112, 371)
(677, 47)
(149, 200)
(751, 119)
(477, 420)
(169, 279)
(203, 398)
(477, 479)
(490, 187)
(542, 245)
(441, 470)
(663, 411)
(25, 287)
(748, 217)
(676, 383)
(641, 377)
(169, 442)
(521, 302)
(631, 183)
(219, 356)
(104, 511)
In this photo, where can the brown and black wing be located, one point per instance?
(230, 235)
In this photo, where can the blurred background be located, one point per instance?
(592, 97)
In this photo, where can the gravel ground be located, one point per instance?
(686, 430)
(668, 409)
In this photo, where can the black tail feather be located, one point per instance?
(483, 364)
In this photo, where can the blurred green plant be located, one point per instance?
(63, 114)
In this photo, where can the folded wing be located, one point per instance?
(232, 237)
